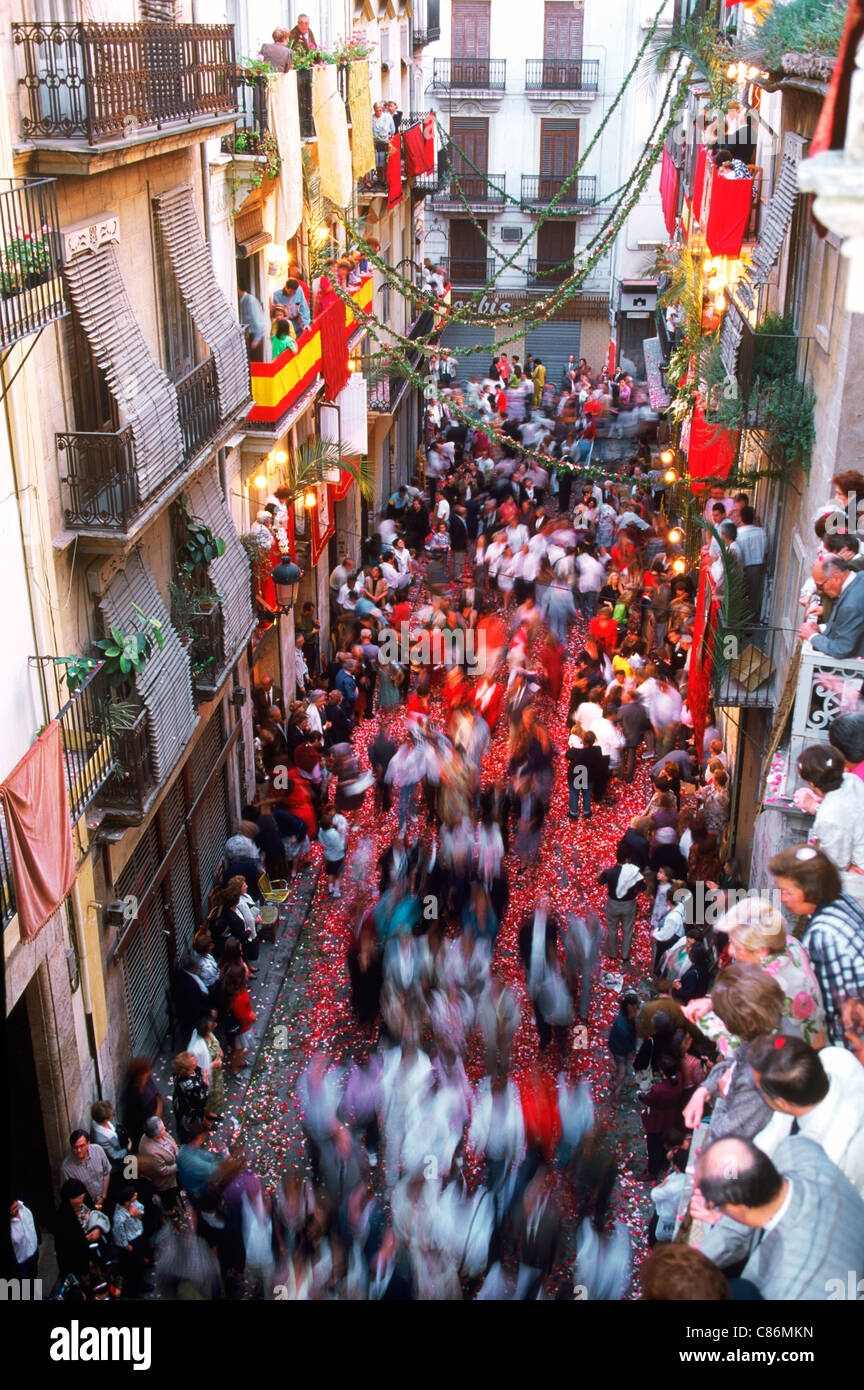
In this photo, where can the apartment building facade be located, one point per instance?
(134, 426)
(522, 97)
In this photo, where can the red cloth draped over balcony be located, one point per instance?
(711, 452)
(334, 348)
(702, 655)
(699, 181)
(419, 152)
(669, 190)
(728, 203)
(39, 831)
(394, 171)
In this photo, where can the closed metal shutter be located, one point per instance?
(182, 899)
(465, 335)
(553, 344)
(145, 980)
(211, 832)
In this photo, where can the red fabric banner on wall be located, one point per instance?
(416, 149)
(334, 348)
(727, 204)
(39, 831)
(711, 452)
(394, 171)
(669, 190)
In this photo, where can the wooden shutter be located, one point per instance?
(471, 27)
(468, 252)
(165, 683)
(562, 31)
(216, 321)
(559, 155)
(146, 398)
(555, 243)
(229, 572)
(471, 135)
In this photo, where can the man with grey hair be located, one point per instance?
(157, 1161)
(277, 53)
(796, 1218)
(842, 635)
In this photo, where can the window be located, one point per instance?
(471, 24)
(385, 45)
(559, 155)
(178, 331)
(827, 291)
(93, 405)
(562, 32)
(471, 140)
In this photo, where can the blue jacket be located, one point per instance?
(622, 1036)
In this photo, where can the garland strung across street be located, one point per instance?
(426, 347)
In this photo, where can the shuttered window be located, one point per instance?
(230, 573)
(211, 825)
(559, 148)
(555, 242)
(191, 263)
(147, 400)
(165, 683)
(470, 29)
(562, 31)
(470, 135)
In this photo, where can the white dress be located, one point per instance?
(838, 829)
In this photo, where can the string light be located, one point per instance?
(260, 481)
(679, 565)
(667, 456)
(674, 536)
(309, 500)
(670, 476)
(279, 456)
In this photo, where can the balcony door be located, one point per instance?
(470, 137)
(562, 43)
(559, 155)
(467, 253)
(555, 245)
(94, 407)
(469, 43)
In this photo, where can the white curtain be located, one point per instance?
(284, 120)
(331, 128)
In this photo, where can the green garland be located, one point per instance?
(600, 243)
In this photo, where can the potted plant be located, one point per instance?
(125, 654)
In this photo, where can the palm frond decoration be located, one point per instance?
(685, 288)
(310, 464)
(735, 615)
(697, 41)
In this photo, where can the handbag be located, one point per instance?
(98, 1221)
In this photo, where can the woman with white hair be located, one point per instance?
(757, 936)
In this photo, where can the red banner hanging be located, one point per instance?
(702, 655)
(394, 171)
(711, 452)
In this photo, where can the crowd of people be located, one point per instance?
(443, 1158)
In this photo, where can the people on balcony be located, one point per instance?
(277, 53)
(283, 338)
(836, 799)
(842, 636)
(301, 37)
(254, 320)
(292, 299)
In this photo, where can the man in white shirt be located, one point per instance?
(817, 1094)
(442, 509)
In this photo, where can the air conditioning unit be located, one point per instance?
(511, 233)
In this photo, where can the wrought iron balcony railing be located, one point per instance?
(32, 290)
(198, 404)
(101, 486)
(207, 649)
(101, 82)
(250, 129)
(745, 668)
(7, 886)
(422, 37)
(461, 271)
(472, 74)
(85, 728)
(538, 190)
(562, 75)
(477, 190)
(543, 273)
(132, 780)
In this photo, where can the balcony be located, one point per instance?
(249, 132)
(207, 649)
(93, 85)
(32, 291)
(538, 191)
(542, 274)
(470, 75)
(100, 489)
(304, 99)
(562, 75)
(85, 727)
(479, 191)
(422, 37)
(461, 272)
(748, 680)
(279, 388)
(130, 788)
